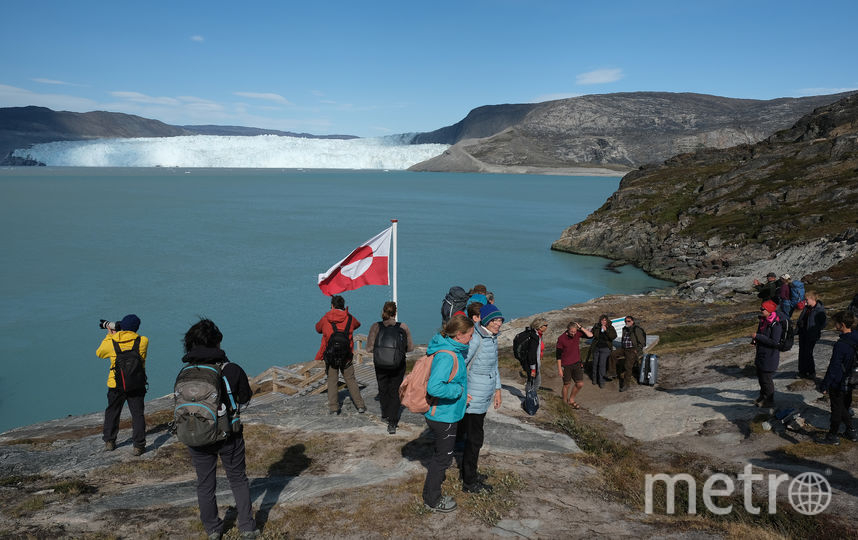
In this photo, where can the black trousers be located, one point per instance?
(841, 401)
(445, 440)
(388, 392)
(472, 428)
(204, 458)
(767, 385)
(806, 364)
(116, 398)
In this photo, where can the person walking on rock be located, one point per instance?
(123, 338)
(389, 338)
(202, 346)
(484, 389)
(767, 339)
(339, 319)
(836, 381)
(569, 365)
(448, 386)
(811, 322)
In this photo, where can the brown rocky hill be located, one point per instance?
(620, 131)
(699, 213)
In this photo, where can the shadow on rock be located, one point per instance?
(280, 473)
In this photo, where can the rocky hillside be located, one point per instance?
(700, 213)
(619, 131)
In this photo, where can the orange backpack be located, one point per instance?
(412, 391)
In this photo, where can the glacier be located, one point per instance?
(262, 151)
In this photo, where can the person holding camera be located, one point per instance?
(122, 340)
(202, 346)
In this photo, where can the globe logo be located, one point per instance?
(809, 493)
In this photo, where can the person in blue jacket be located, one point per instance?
(836, 381)
(448, 406)
(484, 389)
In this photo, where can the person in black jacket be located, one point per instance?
(809, 327)
(836, 381)
(202, 346)
(604, 335)
(767, 340)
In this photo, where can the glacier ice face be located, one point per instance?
(263, 151)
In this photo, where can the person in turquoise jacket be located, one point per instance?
(448, 406)
(484, 389)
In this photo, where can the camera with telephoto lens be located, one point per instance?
(109, 325)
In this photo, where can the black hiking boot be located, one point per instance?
(851, 435)
(830, 438)
(478, 487)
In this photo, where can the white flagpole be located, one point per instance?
(393, 233)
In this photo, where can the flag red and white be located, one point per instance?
(366, 265)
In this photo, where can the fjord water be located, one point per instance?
(244, 247)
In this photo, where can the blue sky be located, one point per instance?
(375, 68)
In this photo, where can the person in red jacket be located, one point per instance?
(339, 315)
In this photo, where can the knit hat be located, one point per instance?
(489, 312)
(130, 323)
(768, 305)
(771, 274)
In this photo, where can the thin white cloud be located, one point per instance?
(599, 76)
(277, 98)
(824, 91)
(198, 39)
(55, 82)
(552, 97)
(137, 97)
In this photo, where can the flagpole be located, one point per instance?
(393, 234)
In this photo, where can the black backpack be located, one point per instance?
(388, 351)
(521, 347)
(851, 373)
(128, 371)
(787, 332)
(338, 352)
(455, 300)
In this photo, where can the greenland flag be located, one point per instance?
(367, 265)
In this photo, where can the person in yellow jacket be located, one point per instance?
(124, 337)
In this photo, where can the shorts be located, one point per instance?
(574, 371)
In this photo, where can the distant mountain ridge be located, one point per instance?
(621, 131)
(22, 127)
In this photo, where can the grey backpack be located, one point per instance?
(200, 416)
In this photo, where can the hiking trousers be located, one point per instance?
(204, 458)
(841, 401)
(445, 441)
(600, 364)
(767, 385)
(388, 392)
(351, 382)
(628, 360)
(116, 398)
(472, 427)
(806, 363)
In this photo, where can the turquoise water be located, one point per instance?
(244, 247)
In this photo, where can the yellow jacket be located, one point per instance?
(125, 338)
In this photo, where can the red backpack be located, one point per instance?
(412, 391)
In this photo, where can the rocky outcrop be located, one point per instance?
(620, 131)
(702, 213)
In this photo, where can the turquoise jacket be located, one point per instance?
(483, 375)
(453, 395)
